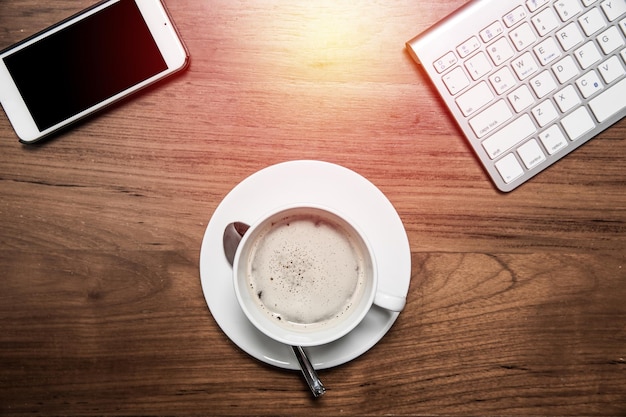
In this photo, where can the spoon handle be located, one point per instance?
(317, 388)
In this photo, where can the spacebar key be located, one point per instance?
(509, 136)
(610, 102)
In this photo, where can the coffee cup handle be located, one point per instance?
(389, 302)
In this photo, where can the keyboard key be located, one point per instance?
(569, 36)
(567, 99)
(491, 32)
(502, 80)
(545, 113)
(610, 40)
(567, 9)
(589, 84)
(509, 168)
(509, 136)
(474, 98)
(490, 119)
(587, 55)
(622, 24)
(500, 51)
(553, 139)
(588, 2)
(521, 98)
(522, 36)
(531, 154)
(478, 65)
(591, 22)
(545, 22)
(547, 51)
(611, 70)
(613, 8)
(577, 123)
(535, 4)
(514, 16)
(610, 102)
(445, 62)
(455, 80)
(524, 66)
(543, 84)
(565, 69)
(469, 46)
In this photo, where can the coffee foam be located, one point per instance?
(306, 271)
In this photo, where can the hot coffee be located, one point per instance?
(306, 270)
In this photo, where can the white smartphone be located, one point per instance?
(86, 62)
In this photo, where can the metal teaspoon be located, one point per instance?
(232, 236)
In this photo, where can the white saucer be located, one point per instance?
(311, 182)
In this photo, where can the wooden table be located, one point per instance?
(516, 304)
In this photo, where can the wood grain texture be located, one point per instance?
(516, 305)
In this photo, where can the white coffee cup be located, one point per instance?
(306, 275)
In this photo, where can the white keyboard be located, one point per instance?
(528, 81)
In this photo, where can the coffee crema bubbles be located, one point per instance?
(306, 271)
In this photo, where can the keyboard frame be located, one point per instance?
(467, 21)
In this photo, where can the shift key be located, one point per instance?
(509, 136)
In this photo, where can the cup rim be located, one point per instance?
(315, 337)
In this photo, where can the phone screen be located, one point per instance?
(85, 63)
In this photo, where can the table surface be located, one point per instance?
(516, 301)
